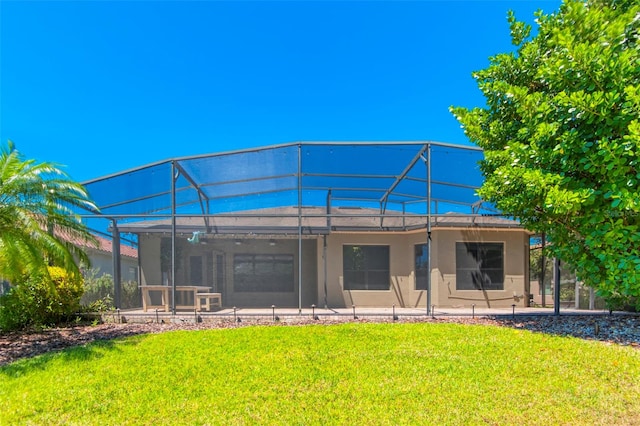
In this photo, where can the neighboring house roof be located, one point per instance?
(315, 221)
(104, 245)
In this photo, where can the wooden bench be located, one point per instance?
(210, 299)
(146, 297)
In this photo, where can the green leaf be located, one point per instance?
(561, 134)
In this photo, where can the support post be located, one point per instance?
(428, 227)
(324, 261)
(324, 248)
(543, 268)
(556, 286)
(173, 236)
(115, 253)
(300, 229)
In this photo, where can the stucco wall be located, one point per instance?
(516, 248)
(149, 253)
(402, 290)
(103, 263)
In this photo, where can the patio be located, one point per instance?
(371, 224)
(327, 315)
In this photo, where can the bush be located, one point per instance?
(621, 302)
(104, 304)
(39, 300)
(98, 291)
(99, 294)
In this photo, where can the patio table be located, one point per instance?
(165, 298)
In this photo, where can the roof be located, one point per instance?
(399, 176)
(104, 245)
(313, 221)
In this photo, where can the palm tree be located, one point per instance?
(38, 224)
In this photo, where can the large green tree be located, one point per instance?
(38, 225)
(561, 134)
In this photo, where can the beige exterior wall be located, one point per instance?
(149, 254)
(402, 292)
(516, 249)
(103, 263)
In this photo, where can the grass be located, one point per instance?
(383, 374)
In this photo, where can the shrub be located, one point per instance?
(98, 289)
(99, 294)
(39, 300)
(620, 302)
(104, 304)
(130, 296)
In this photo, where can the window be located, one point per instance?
(479, 266)
(263, 273)
(366, 267)
(133, 273)
(421, 253)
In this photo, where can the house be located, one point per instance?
(325, 224)
(101, 258)
(256, 260)
(101, 255)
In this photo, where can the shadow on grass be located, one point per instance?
(36, 350)
(619, 329)
(61, 347)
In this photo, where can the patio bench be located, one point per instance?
(210, 299)
(146, 297)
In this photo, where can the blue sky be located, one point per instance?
(105, 86)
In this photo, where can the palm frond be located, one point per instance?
(39, 225)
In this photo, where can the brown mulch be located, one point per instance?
(616, 329)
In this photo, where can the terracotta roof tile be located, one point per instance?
(104, 244)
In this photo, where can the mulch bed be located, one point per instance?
(614, 329)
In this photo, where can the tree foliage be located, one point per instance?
(561, 134)
(38, 225)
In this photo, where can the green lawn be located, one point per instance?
(355, 374)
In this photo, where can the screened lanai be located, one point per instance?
(299, 224)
